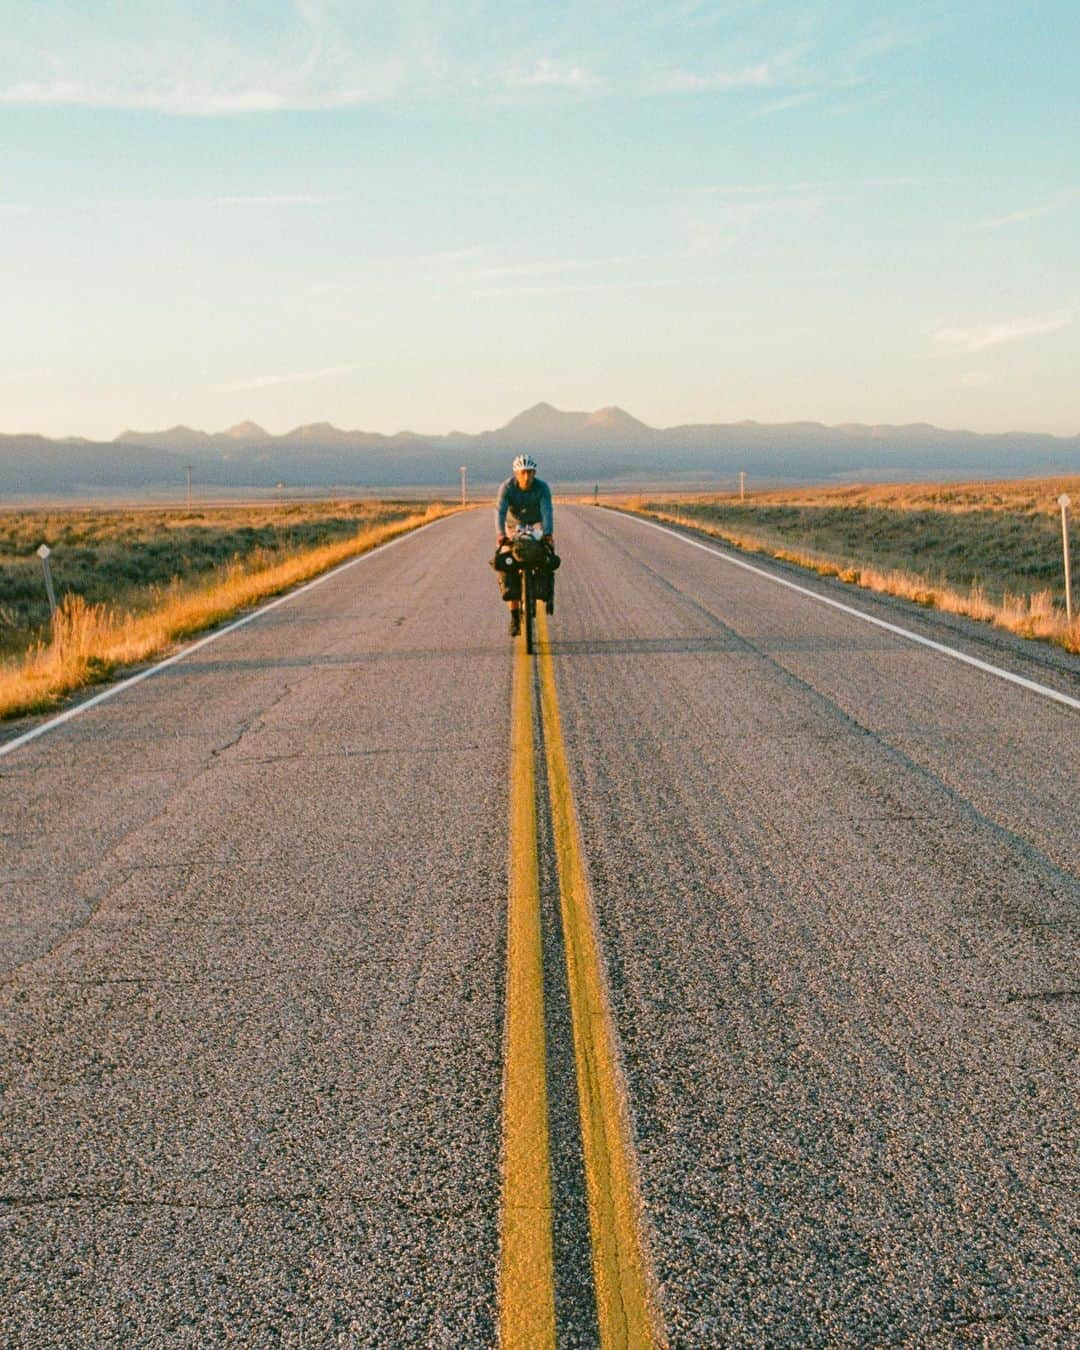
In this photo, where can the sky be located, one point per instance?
(430, 215)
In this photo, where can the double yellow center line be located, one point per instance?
(626, 1311)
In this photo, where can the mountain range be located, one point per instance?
(573, 447)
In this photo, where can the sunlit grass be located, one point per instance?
(90, 641)
(989, 551)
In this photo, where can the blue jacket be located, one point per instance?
(527, 506)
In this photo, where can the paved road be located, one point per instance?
(254, 926)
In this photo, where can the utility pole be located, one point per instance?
(742, 485)
(1063, 502)
(187, 469)
(464, 470)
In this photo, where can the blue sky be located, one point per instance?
(431, 215)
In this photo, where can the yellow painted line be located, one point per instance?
(527, 1273)
(627, 1311)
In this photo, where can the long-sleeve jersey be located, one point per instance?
(526, 505)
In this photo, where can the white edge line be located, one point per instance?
(1031, 685)
(8, 746)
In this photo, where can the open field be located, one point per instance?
(131, 582)
(990, 550)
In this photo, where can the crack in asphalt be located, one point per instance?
(272, 972)
(252, 722)
(64, 1198)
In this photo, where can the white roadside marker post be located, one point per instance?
(43, 553)
(742, 485)
(464, 468)
(1063, 502)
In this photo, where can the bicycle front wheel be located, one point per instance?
(529, 605)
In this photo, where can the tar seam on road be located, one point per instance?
(115, 689)
(526, 1265)
(627, 1309)
(941, 647)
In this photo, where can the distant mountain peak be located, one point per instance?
(247, 431)
(544, 416)
(178, 437)
(615, 418)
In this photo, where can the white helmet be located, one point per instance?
(524, 462)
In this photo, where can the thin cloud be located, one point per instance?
(267, 200)
(273, 199)
(719, 81)
(1035, 212)
(272, 381)
(895, 181)
(321, 54)
(184, 100)
(785, 104)
(583, 288)
(969, 340)
(1015, 217)
(548, 75)
(714, 226)
(461, 269)
(757, 189)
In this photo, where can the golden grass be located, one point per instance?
(1030, 616)
(89, 642)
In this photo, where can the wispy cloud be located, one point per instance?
(587, 287)
(714, 226)
(978, 339)
(271, 199)
(699, 82)
(1035, 212)
(272, 381)
(198, 100)
(464, 268)
(550, 75)
(240, 201)
(1015, 217)
(325, 54)
(786, 104)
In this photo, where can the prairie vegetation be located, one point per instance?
(130, 583)
(991, 551)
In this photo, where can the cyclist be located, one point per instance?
(527, 500)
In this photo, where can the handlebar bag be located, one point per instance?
(529, 552)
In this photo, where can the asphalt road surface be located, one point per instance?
(253, 948)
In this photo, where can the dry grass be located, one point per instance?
(1023, 495)
(90, 641)
(125, 557)
(970, 549)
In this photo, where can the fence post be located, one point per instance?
(43, 553)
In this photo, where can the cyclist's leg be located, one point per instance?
(510, 590)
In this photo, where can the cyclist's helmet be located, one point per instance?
(524, 462)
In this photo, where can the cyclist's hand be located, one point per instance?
(502, 541)
(549, 539)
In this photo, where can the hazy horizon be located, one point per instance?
(439, 432)
(300, 211)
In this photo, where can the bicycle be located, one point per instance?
(537, 578)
